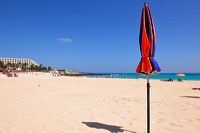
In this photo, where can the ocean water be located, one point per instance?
(161, 76)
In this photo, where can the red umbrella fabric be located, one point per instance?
(147, 39)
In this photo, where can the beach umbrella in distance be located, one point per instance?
(180, 75)
(148, 64)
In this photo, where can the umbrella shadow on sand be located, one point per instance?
(111, 128)
(191, 97)
(196, 89)
(195, 97)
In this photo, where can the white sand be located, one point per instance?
(45, 104)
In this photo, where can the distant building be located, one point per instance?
(18, 60)
(61, 72)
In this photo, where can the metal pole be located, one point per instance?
(148, 105)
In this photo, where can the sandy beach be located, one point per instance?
(46, 104)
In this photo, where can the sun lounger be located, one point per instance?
(169, 80)
(180, 80)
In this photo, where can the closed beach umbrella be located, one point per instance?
(148, 64)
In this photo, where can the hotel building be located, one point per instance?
(18, 60)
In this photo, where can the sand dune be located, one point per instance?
(45, 104)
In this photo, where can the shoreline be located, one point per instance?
(141, 78)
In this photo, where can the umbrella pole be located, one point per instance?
(148, 105)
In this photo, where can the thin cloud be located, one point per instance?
(65, 40)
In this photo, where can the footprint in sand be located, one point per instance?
(160, 112)
(126, 99)
(189, 120)
(135, 119)
(173, 124)
(180, 125)
(174, 113)
(160, 120)
(130, 123)
(114, 112)
(184, 109)
(128, 111)
(198, 119)
(116, 101)
(136, 101)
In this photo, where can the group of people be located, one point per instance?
(170, 79)
(10, 73)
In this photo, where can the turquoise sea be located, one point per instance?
(161, 76)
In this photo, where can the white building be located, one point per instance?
(18, 60)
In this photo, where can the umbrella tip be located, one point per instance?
(145, 3)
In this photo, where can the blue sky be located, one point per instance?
(99, 35)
